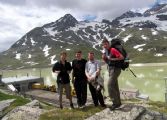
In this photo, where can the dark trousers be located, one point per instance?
(113, 87)
(96, 96)
(81, 91)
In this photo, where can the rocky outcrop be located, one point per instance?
(30, 111)
(4, 104)
(128, 112)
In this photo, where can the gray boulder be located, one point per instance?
(4, 104)
(128, 112)
(30, 111)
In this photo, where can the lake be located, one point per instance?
(149, 80)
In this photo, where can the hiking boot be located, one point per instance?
(113, 107)
(72, 106)
(83, 106)
(104, 106)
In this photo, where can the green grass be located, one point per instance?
(19, 101)
(67, 114)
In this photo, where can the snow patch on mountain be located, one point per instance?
(138, 46)
(52, 59)
(32, 63)
(161, 25)
(123, 29)
(50, 31)
(24, 43)
(140, 49)
(154, 32)
(29, 56)
(70, 43)
(32, 41)
(46, 50)
(144, 37)
(94, 26)
(127, 38)
(68, 49)
(18, 56)
(158, 55)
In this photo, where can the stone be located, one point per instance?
(30, 111)
(34, 103)
(5, 104)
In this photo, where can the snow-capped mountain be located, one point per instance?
(157, 9)
(144, 36)
(155, 17)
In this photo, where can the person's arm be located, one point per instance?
(73, 72)
(98, 68)
(86, 72)
(56, 68)
(104, 57)
(69, 68)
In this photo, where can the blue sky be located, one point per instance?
(20, 16)
(89, 17)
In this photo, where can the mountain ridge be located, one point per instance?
(144, 38)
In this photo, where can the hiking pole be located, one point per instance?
(132, 72)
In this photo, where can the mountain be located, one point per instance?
(157, 9)
(144, 36)
(154, 17)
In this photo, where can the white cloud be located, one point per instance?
(20, 16)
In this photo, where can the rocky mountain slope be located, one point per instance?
(144, 36)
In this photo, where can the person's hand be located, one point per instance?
(57, 72)
(108, 57)
(73, 80)
(92, 78)
(89, 78)
(103, 51)
(97, 73)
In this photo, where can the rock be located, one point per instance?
(24, 113)
(128, 112)
(135, 112)
(30, 111)
(34, 103)
(4, 104)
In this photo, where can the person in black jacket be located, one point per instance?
(63, 68)
(79, 79)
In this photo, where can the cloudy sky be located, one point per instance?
(17, 17)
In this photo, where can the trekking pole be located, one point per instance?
(132, 72)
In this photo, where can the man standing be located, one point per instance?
(63, 68)
(79, 79)
(112, 57)
(92, 72)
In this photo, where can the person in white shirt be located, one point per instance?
(92, 71)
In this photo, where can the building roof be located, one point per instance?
(19, 79)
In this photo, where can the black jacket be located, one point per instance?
(63, 76)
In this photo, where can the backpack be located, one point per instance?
(123, 64)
